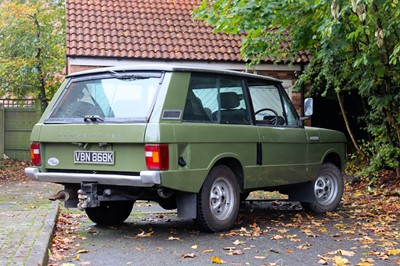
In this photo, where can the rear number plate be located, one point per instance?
(94, 157)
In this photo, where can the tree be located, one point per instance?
(355, 46)
(32, 48)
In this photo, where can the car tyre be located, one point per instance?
(327, 190)
(244, 196)
(168, 204)
(110, 212)
(218, 200)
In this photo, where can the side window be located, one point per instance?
(216, 99)
(271, 105)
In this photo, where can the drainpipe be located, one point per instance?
(302, 91)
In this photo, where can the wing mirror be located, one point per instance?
(308, 107)
(308, 110)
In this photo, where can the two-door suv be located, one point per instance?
(195, 139)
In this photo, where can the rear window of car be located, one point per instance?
(119, 97)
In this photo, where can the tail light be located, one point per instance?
(157, 156)
(35, 153)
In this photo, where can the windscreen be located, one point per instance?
(115, 98)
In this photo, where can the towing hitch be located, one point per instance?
(87, 196)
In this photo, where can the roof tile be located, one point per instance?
(151, 29)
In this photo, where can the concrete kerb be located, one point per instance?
(40, 251)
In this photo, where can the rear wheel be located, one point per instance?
(327, 190)
(110, 212)
(218, 200)
(168, 204)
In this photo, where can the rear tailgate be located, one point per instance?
(93, 147)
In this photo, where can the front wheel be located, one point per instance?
(110, 212)
(327, 190)
(218, 200)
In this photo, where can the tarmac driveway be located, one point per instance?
(267, 233)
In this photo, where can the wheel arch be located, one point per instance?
(334, 158)
(237, 168)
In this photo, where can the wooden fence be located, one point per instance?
(17, 118)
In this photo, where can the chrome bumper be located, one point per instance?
(145, 179)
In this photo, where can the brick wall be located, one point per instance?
(74, 68)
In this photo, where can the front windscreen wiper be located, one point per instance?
(93, 118)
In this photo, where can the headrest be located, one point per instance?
(229, 100)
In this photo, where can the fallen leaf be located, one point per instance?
(194, 247)
(80, 251)
(236, 252)
(309, 233)
(323, 230)
(171, 238)
(340, 261)
(364, 264)
(277, 237)
(208, 251)
(93, 231)
(143, 234)
(304, 246)
(368, 260)
(216, 260)
(289, 251)
(394, 252)
(237, 242)
(282, 231)
(323, 262)
(254, 225)
(346, 253)
(188, 255)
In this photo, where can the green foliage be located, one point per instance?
(381, 156)
(32, 48)
(355, 48)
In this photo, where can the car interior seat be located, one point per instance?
(230, 111)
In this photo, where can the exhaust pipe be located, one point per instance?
(64, 195)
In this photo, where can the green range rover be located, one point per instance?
(193, 139)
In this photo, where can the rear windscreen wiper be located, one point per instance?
(93, 118)
(127, 76)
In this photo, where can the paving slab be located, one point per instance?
(27, 222)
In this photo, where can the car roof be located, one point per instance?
(169, 68)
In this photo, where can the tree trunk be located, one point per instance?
(346, 121)
(41, 75)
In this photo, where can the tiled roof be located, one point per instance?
(146, 29)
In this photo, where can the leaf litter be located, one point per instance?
(368, 217)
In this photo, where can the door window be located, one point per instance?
(216, 99)
(271, 104)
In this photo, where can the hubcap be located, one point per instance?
(221, 198)
(325, 189)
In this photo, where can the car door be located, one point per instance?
(217, 124)
(282, 147)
